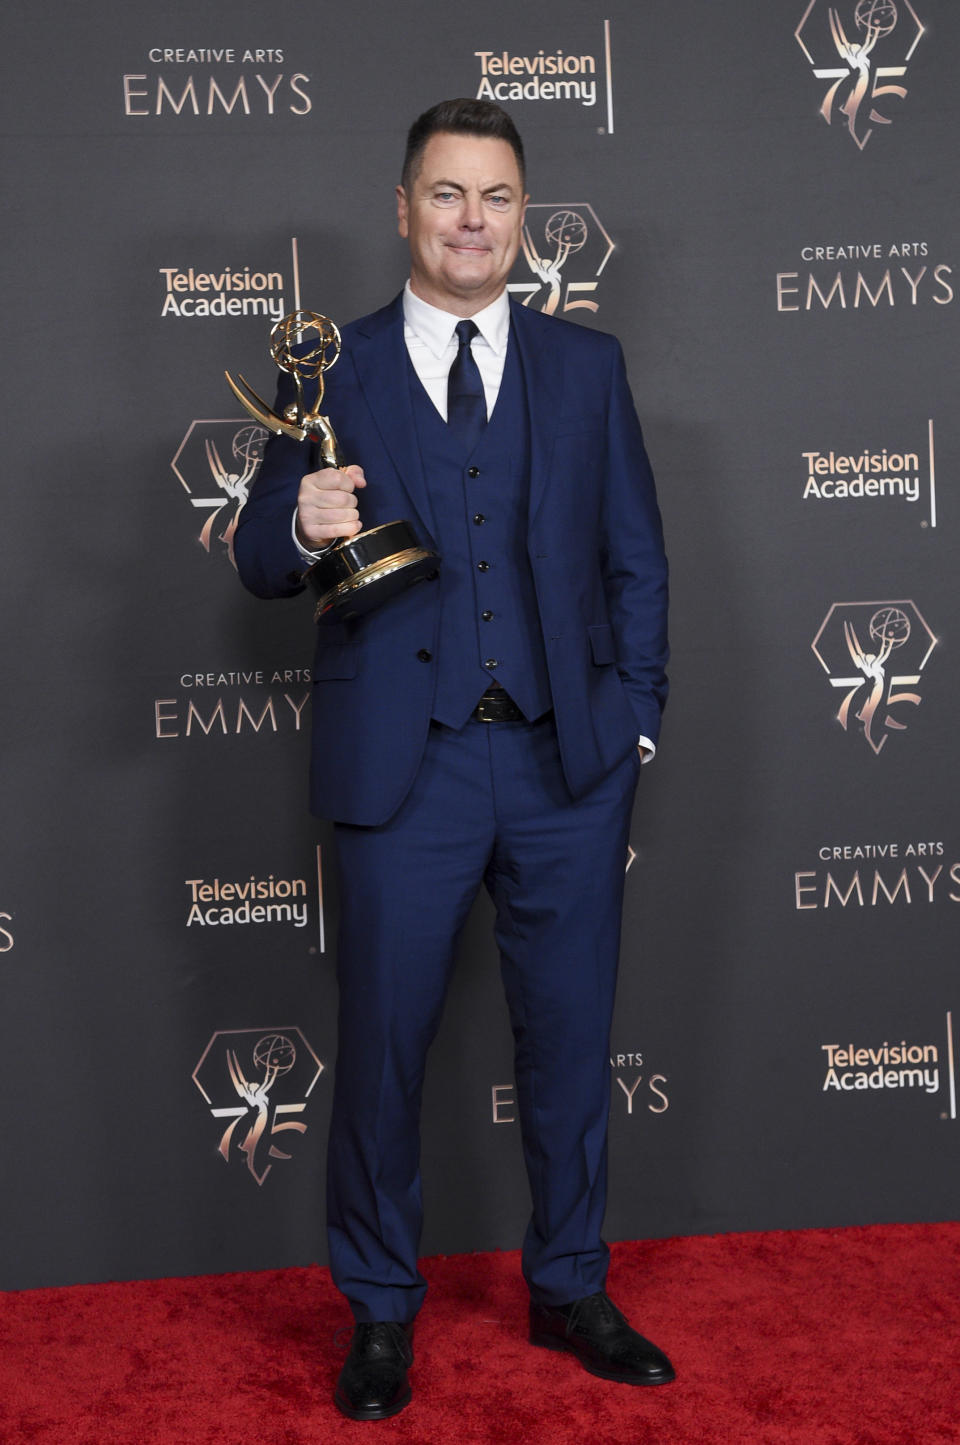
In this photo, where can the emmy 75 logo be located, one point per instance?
(862, 90)
(551, 236)
(215, 464)
(870, 635)
(258, 1080)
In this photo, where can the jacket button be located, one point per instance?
(491, 662)
(478, 519)
(473, 471)
(483, 566)
(487, 616)
(425, 655)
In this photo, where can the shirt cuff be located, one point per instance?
(651, 749)
(308, 556)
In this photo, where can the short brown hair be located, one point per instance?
(459, 117)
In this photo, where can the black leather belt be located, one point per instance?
(497, 705)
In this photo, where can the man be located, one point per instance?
(480, 728)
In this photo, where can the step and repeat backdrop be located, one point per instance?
(761, 201)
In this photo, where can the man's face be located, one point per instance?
(462, 220)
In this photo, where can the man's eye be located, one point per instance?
(499, 201)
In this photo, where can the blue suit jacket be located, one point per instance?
(594, 539)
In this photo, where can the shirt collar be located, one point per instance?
(435, 328)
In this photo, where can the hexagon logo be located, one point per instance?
(860, 35)
(215, 464)
(869, 636)
(256, 1079)
(565, 248)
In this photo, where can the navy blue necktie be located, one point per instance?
(466, 403)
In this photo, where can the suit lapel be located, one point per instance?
(379, 355)
(544, 381)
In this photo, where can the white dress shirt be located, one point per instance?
(432, 345)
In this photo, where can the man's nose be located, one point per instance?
(471, 215)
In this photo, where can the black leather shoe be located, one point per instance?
(373, 1383)
(596, 1332)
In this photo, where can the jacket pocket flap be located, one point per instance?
(601, 643)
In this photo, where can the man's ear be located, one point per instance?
(402, 211)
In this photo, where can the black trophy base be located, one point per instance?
(363, 572)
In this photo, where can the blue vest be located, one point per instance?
(488, 602)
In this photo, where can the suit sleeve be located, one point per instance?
(634, 562)
(268, 560)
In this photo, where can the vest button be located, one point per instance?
(425, 655)
(487, 616)
(483, 566)
(491, 662)
(473, 471)
(479, 519)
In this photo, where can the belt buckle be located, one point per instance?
(494, 708)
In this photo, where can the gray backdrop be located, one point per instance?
(765, 211)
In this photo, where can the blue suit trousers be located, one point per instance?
(489, 806)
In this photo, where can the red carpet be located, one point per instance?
(825, 1337)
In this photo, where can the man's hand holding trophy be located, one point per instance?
(359, 570)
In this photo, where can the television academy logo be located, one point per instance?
(258, 1080)
(191, 293)
(548, 75)
(864, 475)
(862, 92)
(552, 234)
(886, 1066)
(258, 899)
(868, 635)
(215, 464)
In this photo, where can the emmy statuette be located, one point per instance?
(355, 574)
